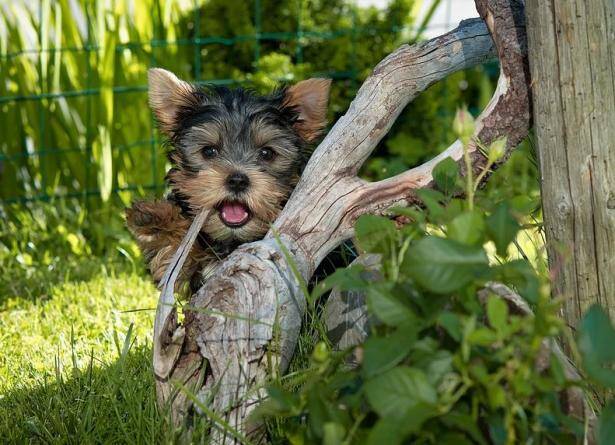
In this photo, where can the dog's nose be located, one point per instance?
(237, 182)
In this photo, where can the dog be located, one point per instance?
(232, 151)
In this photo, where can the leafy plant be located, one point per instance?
(446, 360)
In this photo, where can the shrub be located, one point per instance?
(446, 360)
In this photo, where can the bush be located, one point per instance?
(446, 361)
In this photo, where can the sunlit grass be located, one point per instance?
(76, 363)
(76, 321)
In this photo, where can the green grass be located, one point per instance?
(76, 314)
(75, 365)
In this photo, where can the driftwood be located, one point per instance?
(242, 325)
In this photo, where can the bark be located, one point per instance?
(572, 59)
(242, 325)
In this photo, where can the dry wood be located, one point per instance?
(168, 335)
(573, 74)
(245, 320)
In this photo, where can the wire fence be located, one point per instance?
(71, 135)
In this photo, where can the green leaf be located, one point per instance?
(388, 308)
(454, 439)
(383, 353)
(432, 200)
(443, 265)
(464, 422)
(451, 323)
(468, 228)
(279, 403)
(520, 275)
(446, 173)
(483, 337)
(606, 425)
(524, 204)
(435, 365)
(375, 234)
(497, 313)
(497, 429)
(317, 408)
(496, 395)
(400, 392)
(347, 279)
(502, 228)
(333, 433)
(386, 431)
(597, 346)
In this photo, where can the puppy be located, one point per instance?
(232, 151)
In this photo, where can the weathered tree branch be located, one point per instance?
(244, 322)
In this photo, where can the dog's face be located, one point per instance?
(236, 152)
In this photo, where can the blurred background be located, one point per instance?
(78, 142)
(78, 139)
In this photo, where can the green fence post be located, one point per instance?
(88, 131)
(257, 32)
(41, 104)
(299, 43)
(196, 42)
(153, 141)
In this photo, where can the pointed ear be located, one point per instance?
(167, 96)
(309, 97)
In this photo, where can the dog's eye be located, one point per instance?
(266, 154)
(210, 152)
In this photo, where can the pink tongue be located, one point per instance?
(233, 213)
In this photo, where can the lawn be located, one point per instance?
(75, 327)
(76, 362)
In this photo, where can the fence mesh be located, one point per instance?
(39, 148)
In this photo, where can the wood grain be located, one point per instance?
(572, 55)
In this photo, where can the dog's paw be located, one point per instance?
(161, 215)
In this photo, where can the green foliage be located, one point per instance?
(75, 116)
(446, 361)
(47, 243)
(595, 341)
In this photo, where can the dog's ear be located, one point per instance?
(167, 96)
(309, 97)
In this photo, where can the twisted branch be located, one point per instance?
(244, 322)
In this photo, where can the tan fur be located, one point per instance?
(206, 190)
(310, 97)
(159, 228)
(167, 94)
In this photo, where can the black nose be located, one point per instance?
(237, 182)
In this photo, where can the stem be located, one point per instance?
(469, 180)
(482, 174)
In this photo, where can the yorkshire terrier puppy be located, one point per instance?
(232, 151)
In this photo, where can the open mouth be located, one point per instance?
(234, 213)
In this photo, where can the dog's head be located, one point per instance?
(235, 151)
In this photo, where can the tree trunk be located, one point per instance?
(572, 62)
